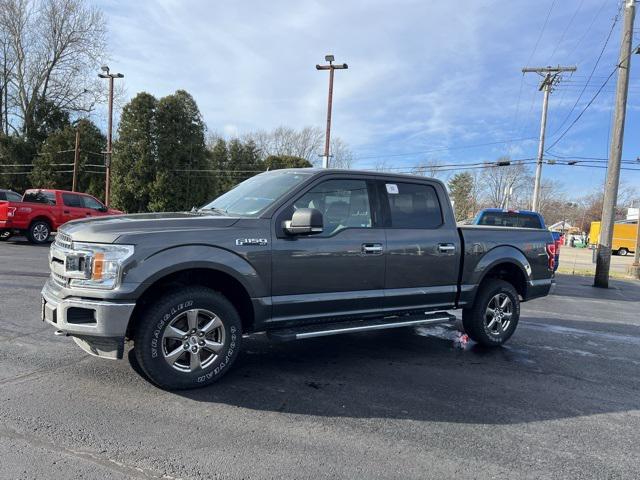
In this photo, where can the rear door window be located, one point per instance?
(413, 205)
(13, 197)
(40, 196)
(72, 200)
(510, 219)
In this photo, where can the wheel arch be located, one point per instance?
(212, 278)
(42, 218)
(503, 262)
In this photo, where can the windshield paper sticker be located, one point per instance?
(392, 188)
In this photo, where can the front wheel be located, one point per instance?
(4, 236)
(494, 315)
(39, 232)
(188, 339)
(623, 252)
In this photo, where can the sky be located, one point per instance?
(428, 80)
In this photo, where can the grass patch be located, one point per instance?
(585, 272)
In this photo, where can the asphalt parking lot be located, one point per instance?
(561, 400)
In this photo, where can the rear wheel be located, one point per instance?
(39, 232)
(623, 252)
(493, 317)
(188, 339)
(5, 236)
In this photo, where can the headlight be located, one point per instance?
(95, 265)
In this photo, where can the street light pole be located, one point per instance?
(327, 139)
(107, 159)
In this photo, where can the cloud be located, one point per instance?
(422, 74)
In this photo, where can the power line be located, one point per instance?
(615, 21)
(544, 26)
(566, 29)
(583, 110)
(586, 32)
(444, 149)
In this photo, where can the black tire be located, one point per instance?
(623, 252)
(4, 236)
(39, 232)
(477, 320)
(151, 345)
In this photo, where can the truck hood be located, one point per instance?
(108, 229)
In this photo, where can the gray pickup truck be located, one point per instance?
(294, 253)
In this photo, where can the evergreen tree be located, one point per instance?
(219, 155)
(16, 155)
(244, 162)
(181, 178)
(53, 166)
(133, 165)
(276, 162)
(462, 192)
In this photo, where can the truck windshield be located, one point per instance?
(254, 195)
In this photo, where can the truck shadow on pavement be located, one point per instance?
(428, 375)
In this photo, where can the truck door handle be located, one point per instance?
(372, 248)
(446, 248)
(65, 211)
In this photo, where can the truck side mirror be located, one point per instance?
(305, 221)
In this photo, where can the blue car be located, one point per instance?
(498, 217)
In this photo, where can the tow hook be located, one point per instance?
(60, 333)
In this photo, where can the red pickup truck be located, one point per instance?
(42, 211)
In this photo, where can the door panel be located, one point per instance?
(72, 207)
(336, 273)
(423, 253)
(320, 277)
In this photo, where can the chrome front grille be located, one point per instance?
(59, 279)
(63, 240)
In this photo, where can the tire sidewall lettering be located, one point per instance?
(160, 326)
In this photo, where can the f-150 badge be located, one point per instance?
(252, 241)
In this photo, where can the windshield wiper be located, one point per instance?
(212, 209)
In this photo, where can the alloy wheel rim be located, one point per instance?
(193, 340)
(498, 315)
(41, 232)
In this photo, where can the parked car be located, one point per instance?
(8, 196)
(41, 212)
(294, 253)
(498, 217)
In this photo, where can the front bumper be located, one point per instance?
(98, 326)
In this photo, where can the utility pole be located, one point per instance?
(603, 259)
(551, 77)
(76, 159)
(331, 67)
(107, 158)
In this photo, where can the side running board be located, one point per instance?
(336, 328)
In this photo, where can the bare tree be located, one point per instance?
(57, 45)
(306, 143)
(428, 168)
(495, 180)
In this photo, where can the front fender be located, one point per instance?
(140, 274)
